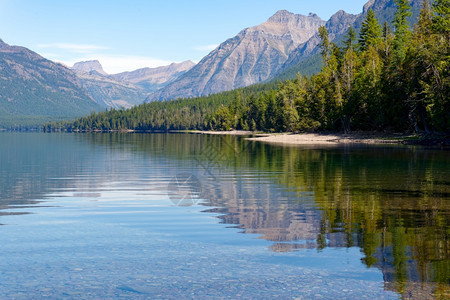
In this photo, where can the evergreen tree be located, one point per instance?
(439, 90)
(387, 43)
(419, 71)
(370, 34)
(349, 39)
(441, 20)
(325, 45)
(402, 33)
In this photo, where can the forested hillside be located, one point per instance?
(181, 114)
(389, 77)
(34, 90)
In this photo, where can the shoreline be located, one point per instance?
(325, 138)
(321, 138)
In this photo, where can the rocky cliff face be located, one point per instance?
(254, 55)
(89, 66)
(32, 86)
(152, 79)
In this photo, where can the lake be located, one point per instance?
(199, 216)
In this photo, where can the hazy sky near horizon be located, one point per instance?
(128, 34)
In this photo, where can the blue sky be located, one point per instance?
(130, 34)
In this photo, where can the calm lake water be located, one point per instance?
(192, 216)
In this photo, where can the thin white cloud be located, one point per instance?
(206, 47)
(113, 64)
(76, 48)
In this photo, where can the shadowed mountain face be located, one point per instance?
(33, 87)
(254, 55)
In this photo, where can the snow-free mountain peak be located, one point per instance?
(89, 66)
(252, 56)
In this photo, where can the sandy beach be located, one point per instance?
(327, 139)
(315, 138)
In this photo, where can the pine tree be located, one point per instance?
(370, 34)
(325, 45)
(387, 42)
(441, 19)
(350, 38)
(402, 33)
(440, 88)
(418, 71)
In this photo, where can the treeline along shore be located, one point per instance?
(387, 78)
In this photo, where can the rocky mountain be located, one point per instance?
(109, 92)
(153, 79)
(105, 89)
(89, 66)
(254, 55)
(128, 88)
(280, 45)
(33, 88)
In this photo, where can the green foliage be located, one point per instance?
(441, 20)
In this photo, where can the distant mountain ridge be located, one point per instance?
(32, 87)
(128, 88)
(109, 92)
(152, 79)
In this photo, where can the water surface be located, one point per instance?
(193, 216)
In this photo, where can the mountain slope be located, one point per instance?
(32, 87)
(128, 88)
(153, 79)
(278, 48)
(106, 90)
(109, 92)
(254, 55)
